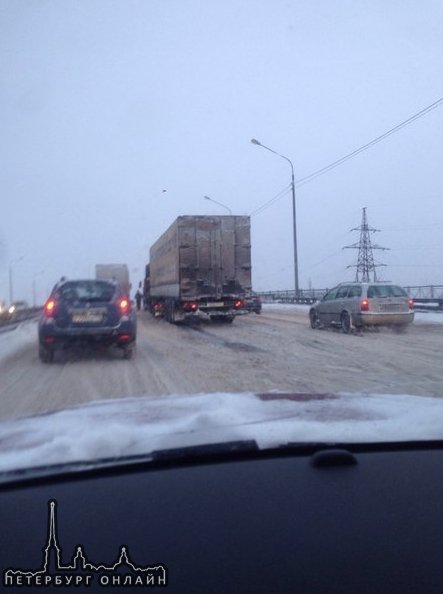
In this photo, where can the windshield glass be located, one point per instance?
(86, 291)
(386, 291)
(212, 187)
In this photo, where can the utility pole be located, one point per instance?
(365, 263)
(294, 223)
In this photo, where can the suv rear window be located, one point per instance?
(386, 291)
(87, 291)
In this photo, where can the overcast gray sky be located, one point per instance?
(105, 104)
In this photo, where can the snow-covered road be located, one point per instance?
(276, 351)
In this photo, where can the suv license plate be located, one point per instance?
(85, 318)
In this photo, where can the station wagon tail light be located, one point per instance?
(49, 308)
(124, 305)
(238, 303)
(364, 305)
(411, 303)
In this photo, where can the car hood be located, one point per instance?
(134, 426)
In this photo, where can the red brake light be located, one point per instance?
(238, 303)
(364, 305)
(411, 303)
(125, 305)
(190, 305)
(49, 307)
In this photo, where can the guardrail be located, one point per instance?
(426, 297)
(426, 293)
(289, 296)
(10, 321)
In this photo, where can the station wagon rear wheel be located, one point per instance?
(313, 318)
(345, 321)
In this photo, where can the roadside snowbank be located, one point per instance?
(420, 316)
(13, 341)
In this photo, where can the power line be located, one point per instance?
(285, 190)
(307, 178)
(368, 145)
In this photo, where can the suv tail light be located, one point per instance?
(238, 303)
(49, 308)
(411, 303)
(124, 306)
(364, 305)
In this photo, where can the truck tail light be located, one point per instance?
(190, 305)
(49, 308)
(157, 310)
(411, 303)
(238, 303)
(364, 305)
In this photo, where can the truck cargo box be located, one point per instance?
(202, 257)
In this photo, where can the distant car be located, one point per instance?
(87, 312)
(252, 303)
(17, 310)
(3, 312)
(363, 304)
(17, 306)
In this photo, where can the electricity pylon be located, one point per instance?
(366, 264)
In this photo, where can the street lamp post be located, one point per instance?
(294, 225)
(11, 290)
(219, 203)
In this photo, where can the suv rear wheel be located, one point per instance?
(46, 355)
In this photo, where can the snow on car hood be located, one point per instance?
(131, 426)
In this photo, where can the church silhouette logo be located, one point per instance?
(123, 572)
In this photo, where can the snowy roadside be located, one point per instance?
(421, 317)
(425, 317)
(16, 340)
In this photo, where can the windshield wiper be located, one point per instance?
(205, 451)
(210, 453)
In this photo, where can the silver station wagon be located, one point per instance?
(363, 304)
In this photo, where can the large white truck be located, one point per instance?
(200, 266)
(114, 272)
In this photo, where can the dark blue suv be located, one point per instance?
(87, 312)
